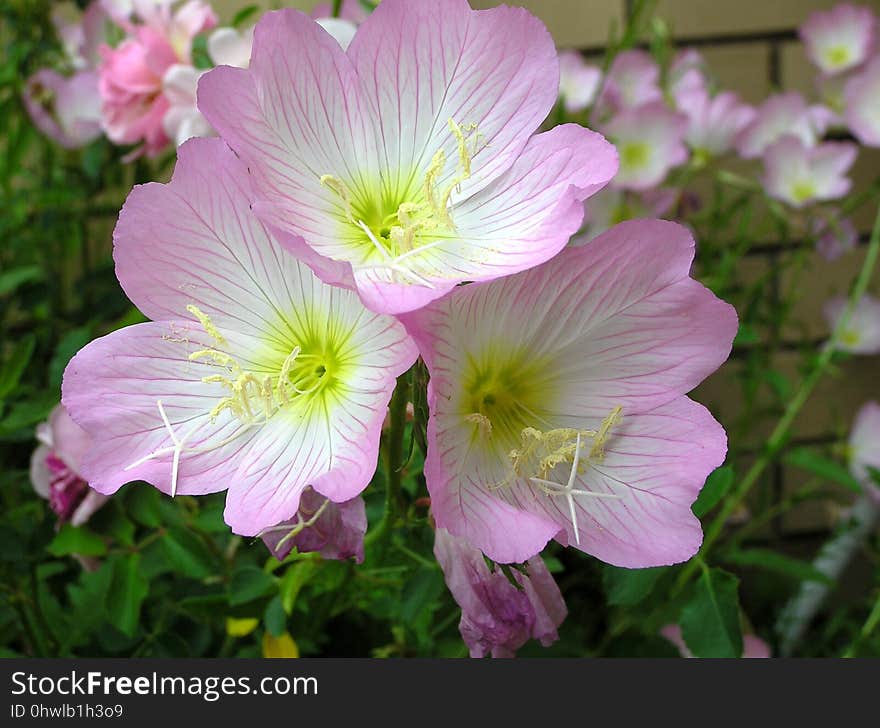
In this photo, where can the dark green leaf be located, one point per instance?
(127, 591)
(710, 620)
(716, 487)
(812, 461)
(70, 540)
(15, 363)
(274, 617)
(775, 561)
(12, 279)
(244, 15)
(249, 583)
(625, 587)
(187, 554)
(70, 343)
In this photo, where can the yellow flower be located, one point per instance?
(282, 646)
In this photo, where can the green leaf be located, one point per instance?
(710, 620)
(142, 504)
(71, 540)
(274, 617)
(780, 563)
(15, 364)
(128, 589)
(70, 343)
(187, 554)
(746, 335)
(244, 15)
(625, 587)
(422, 589)
(716, 487)
(249, 583)
(810, 460)
(295, 578)
(10, 280)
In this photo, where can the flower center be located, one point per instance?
(837, 56)
(803, 190)
(391, 229)
(634, 155)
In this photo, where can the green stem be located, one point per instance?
(337, 8)
(780, 433)
(867, 628)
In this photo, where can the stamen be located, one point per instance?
(206, 323)
(338, 186)
(298, 527)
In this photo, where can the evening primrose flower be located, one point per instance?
(781, 115)
(864, 447)
(65, 109)
(577, 427)
(862, 332)
(253, 376)
(633, 80)
(862, 104)
(839, 39)
(498, 616)
(713, 121)
(408, 163)
(578, 81)
(612, 206)
(650, 142)
(800, 175)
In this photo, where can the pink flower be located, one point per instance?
(67, 110)
(687, 74)
(862, 102)
(577, 427)
(231, 47)
(578, 81)
(183, 120)
(82, 39)
(713, 122)
(633, 80)
(781, 115)
(753, 647)
(650, 142)
(409, 163)
(839, 39)
(799, 175)
(132, 74)
(497, 616)
(862, 332)
(253, 377)
(55, 469)
(335, 530)
(834, 236)
(864, 446)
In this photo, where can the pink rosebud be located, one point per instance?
(335, 530)
(753, 647)
(800, 175)
(497, 616)
(67, 110)
(55, 466)
(862, 104)
(839, 39)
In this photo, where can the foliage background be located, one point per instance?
(170, 579)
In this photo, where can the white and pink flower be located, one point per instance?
(782, 115)
(577, 428)
(253, 376)
(578, 81)
(801, 175)
(65, 109)
(861, 335)
(714, 122)
(839, 39)
(862, 104)
(864, 447)
(408, 163)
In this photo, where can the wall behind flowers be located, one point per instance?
(170, 576)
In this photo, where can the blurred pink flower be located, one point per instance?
(578, 81)
(862, 332)
(800, 175)
(687, 73)
(834, 236)
(633, 80)
(497, 616)
(650, 143)
(385, 171)
(611, 206)
(713, 121)
(335, 530)
(862, 104)
(55, 469)
(231, 47)
(133, 73)
(67, 110)
(781, 115)
(82, 39)
(864, 446)
(577, 428)
(839, 39)
(753, 647)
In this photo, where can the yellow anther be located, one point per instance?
(597, 451)
(217, 357)
(483, 423)
(438, 162)
(337, 186)
(206, 323)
